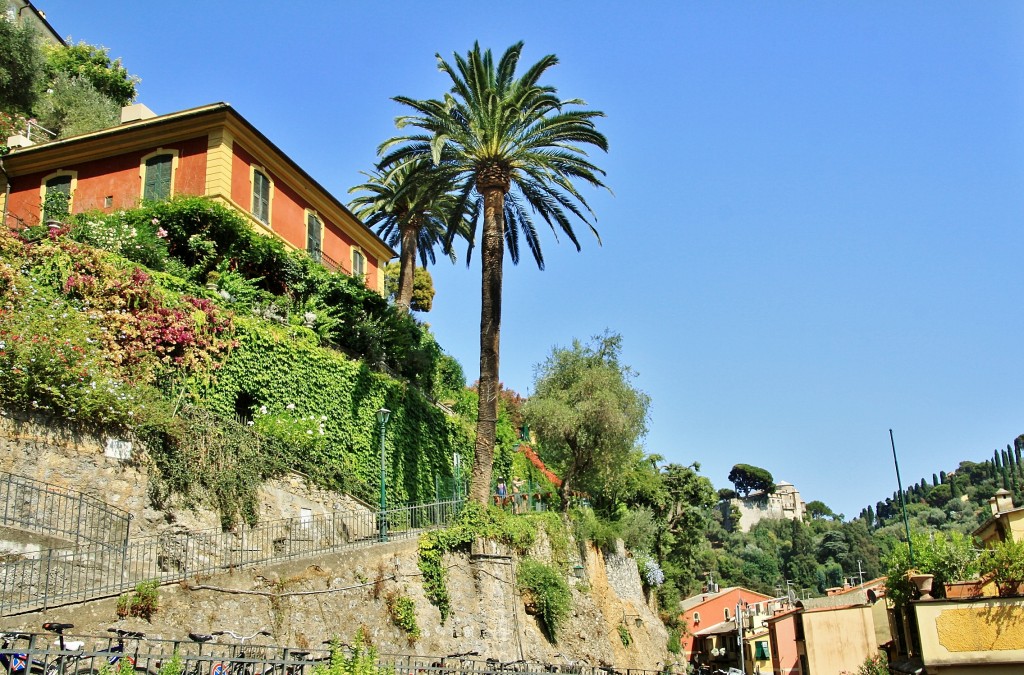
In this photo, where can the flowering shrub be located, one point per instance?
(49, 363)
(650, 570)
(137, 240)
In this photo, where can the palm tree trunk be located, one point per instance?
(407, 265)
(492, 256)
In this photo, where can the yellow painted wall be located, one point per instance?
(983, 631)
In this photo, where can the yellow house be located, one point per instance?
(971, 637)
(1007, 521)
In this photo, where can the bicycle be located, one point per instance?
(70, 651)
(115, 657)
(441, 667)
(238, 664)
(15, 663)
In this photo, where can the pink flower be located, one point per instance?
(160, 232)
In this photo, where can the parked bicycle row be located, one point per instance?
(226, 652)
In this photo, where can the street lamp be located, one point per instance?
(382, 419)
(456, 475)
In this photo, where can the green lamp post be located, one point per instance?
(382, 419)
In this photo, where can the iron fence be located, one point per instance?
(33, 654)
(53, 577)
(76, 518)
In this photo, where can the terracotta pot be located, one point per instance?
(963, 589)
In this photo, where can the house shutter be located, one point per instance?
(58, 184)
(761, 650)
(158, 178)
(261, 197)
(313, 237)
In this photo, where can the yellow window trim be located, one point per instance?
(58, 174)
(142, 168)
(253, 168)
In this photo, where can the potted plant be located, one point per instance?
(1004, 563)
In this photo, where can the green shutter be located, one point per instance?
(158, 178)
(761, 651)
(313, 237)
(59, 207)
(261, 197)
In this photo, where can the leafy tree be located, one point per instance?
(21, 66)
(74, 106)
(749, 479)
(725, 494)
(422, 299)
(93, 64)
(410, 205)
(587, 414)
(818, 510)
(509, 142)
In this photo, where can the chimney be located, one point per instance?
(1001, 503)
(135, 113)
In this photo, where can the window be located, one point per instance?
(761, 650)
(57, 198)
(156, 182)
(696, 618)
(358, 263)
(313, 233)
(726, 613)
(261, 196)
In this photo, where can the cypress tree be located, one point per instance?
(954, 487)
(942, 476)
(935, 480)
(871, 516)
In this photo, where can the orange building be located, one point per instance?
(707, 610)
(211, 151)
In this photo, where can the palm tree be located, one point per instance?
(507, 142)
(410, 206)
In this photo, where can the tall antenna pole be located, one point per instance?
(903, 501)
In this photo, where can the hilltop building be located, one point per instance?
(206, 151)
(784, 502)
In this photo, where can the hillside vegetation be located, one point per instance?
(231, 357)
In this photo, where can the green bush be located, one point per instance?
(1004, 562)
(546, 586)
(359, 659)
(402, 610)
(143, 602)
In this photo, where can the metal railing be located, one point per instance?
(92, 571)
(77, 518)
(149, 655)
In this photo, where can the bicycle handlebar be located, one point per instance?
(242, 638)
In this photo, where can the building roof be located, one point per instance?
(723, 628)
(173, 127)
(855, 597)
(39, 18)
(695, 601)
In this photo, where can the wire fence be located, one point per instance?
(26, 653)
(95, 570)
(68, 515)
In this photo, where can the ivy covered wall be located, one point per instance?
(280, 374)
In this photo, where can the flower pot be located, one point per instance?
(963, 589)
(923, 583)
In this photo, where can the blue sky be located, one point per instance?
(815, 233)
